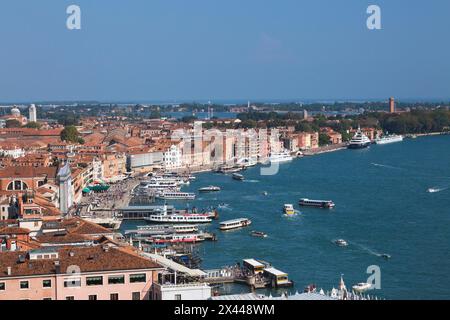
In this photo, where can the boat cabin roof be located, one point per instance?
(275, 272)
(234, 221)
(254, 263)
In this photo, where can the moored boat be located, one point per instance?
(278, 157)
(175, 195)
(237, 176)
(389, 139)
(359, 140)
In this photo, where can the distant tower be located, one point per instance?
(33, 115)
(305, 114)
(391, 105)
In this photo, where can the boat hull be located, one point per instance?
(358, 146)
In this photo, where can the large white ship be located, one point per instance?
(164, 217)
(359, 141)
(389, 139)
(280, 157)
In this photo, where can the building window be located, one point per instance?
(70, 298)
(46, 283)
(138, 278)
(178, 297)
(94, 281)
(114, 296)
(136, 296)
(72, 283)
(93, 297)
(2, 286)
(24, 285)
(116, 279)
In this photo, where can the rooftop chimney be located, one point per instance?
(9, 271)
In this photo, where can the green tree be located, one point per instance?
(324, 139)
(70, 134)
(33, 125)
(12, 123)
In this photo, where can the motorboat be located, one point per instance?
(237, 176)
(258, 234)
(209, 189)
(289, 210)
(341, 242)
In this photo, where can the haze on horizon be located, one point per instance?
(223, 50)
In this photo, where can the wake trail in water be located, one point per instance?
(224, 206)
(386, 166)
(368, 250)
(251, 181)
(436, 189)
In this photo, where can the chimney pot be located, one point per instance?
(9, 271)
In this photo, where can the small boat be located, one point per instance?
(289, 210)
(258, 234)
(327, 204)
(265, 193)
(237, 176)
(362, 287)
(235, 224)
(341, 242)
(209, 189)
(385, 256)
(433, 190)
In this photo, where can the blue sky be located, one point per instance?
(177, 50)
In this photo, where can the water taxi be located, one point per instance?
(235, 224)
(174, 195)
(209, 189)
(362, 287)
(237, 176)
(289, 210)
(327, 204)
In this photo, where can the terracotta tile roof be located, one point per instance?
(61, 238)
(90, 259)
(28, 172)
(83, 227)
(13, 230)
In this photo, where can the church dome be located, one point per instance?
(15, 111)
